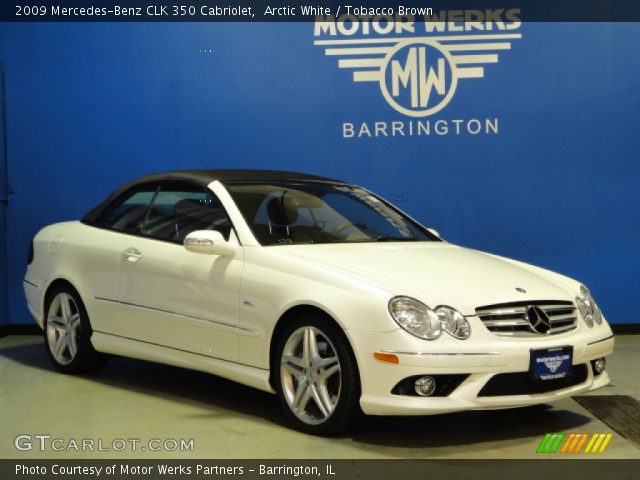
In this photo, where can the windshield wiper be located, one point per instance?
(383, 238)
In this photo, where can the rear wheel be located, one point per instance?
(67, 333)
(317, 378)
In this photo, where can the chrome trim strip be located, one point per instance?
(519, 333)
(496, 310)
(601, 340)
(533, 333)
(562, 318)
(562, 329)
(556, 308)
(30, 283)
(186, 315)
(507, 323)
(436, 354)
(495, 313)
(551, 311)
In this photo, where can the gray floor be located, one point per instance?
(133, 399)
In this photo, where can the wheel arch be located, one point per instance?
(291, 314)
(86, 358)
(55, 283)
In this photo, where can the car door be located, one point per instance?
(101, 254)
(177, 298)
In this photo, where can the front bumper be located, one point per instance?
(481, 357)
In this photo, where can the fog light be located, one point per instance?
(599, 365)
(425, 386)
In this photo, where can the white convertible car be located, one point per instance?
(312, 288)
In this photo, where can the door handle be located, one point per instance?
(132, 255)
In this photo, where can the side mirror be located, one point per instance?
(209, 242)
(435, 232)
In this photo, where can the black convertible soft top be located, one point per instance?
(204, 178)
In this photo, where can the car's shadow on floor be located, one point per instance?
(181, 385)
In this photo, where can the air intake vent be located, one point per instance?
(524, 319)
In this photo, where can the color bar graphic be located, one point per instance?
(598, 443)
(573, 443)
(551, 442)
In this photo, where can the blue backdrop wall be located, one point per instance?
(90, 106)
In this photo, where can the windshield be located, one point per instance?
(305, 212)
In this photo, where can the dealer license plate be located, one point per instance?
(551, 363)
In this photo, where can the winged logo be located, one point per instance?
(553, 365)
(418, 76)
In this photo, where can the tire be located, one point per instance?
(318, 386)
(67, 333)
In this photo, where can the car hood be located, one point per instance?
(440, 273)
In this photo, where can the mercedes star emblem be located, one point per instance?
(538, 319)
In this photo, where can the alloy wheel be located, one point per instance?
(310, 375)
(63, 328)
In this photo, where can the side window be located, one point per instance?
(166, 212)
(128, 213)
(177, 211)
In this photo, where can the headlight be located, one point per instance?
(415, 317)
(419, 320)
(587, 307)
(453, 322)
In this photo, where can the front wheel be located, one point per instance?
(317, 377)
(67, 333)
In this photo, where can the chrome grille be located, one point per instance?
(510, 319)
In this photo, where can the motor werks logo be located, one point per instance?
(418, 61)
